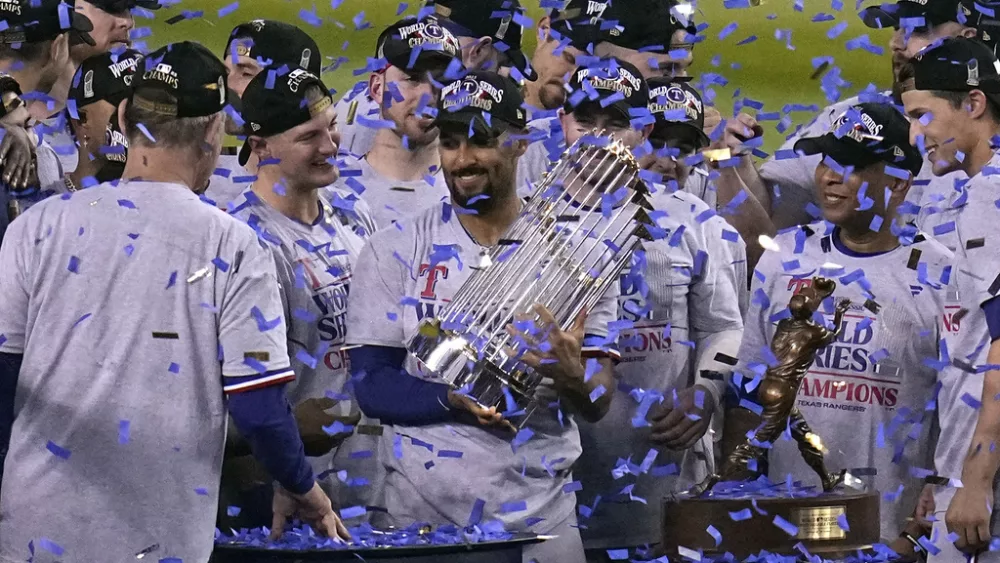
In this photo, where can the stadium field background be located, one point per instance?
(775, 69)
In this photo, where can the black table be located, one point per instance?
(508, 551)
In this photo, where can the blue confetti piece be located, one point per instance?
(791, 529)
(618, 554)
(201, 491)
(233, 511)
(740, 515)
(516, 506)
(46, 543)
(522, 437)
(842, 522)
(57, 450)
(124, 431)
(971, 401)
(226, 10)
(352, 512)
(572, 487)
(81, 319)
(74, 265)
(263, 324)
(597, 393)
(712, 531)
(220, 264)
(450, 454)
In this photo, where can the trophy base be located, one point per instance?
(685, 524)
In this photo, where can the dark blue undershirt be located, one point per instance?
(263, 417)
(385, 391)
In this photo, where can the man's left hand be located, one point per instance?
(553, 352)
(679, 426)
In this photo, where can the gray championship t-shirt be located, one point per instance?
(135, 307)
(965, 222)
(793, 180)
(391, 200)
(228, 182)
(694, 277)
(437, 473)
(314, 265)
(356, 112)
(867, 395)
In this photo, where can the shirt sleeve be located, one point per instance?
(756, 329)
(14, 291)
(374, 311)
(252, 331)
(714, 317)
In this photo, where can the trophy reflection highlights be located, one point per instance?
(796, 341)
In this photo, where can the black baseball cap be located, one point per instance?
(613, 83)
(500, 20)
(105, 77)
(866, 134)
(189, 72)
(119, 6)
(984, 15)
(34, 21)
(955, 64)
(418, 45)
(489, 102)
(274, 104)
(677, 105)
(648, 25)
(909, 13)
(278, 42)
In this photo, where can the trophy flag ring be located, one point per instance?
(571, 241)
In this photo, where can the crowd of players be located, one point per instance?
(183, 324)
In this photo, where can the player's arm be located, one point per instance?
(375, 335)
(255, 368)
(14, 298)
(968, 514)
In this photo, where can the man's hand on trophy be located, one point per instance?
(551, 351)
(314, 507)
(925, 508)
(485, 416)
(968, 516)
(679, 423)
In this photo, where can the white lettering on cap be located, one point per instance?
(861, 131)
(118, 68)
(296, 77)
(10, 6)
(162, 73)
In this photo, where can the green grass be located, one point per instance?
(766, 70)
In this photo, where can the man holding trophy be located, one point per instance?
(454, 459)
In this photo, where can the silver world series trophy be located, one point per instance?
(568, 245)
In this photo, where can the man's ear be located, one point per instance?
(479, 53)
(968, 33)
(376, 86)
(543, 27)
(976, 104)
(259, 147)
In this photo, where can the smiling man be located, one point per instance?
(951, 91)
(254, 47)
(875, 380)
(523, 487)
(401, 174)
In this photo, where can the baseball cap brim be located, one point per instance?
(80, 28)
(665, 127)
(886, 16)
(845, 152)
(495, 127)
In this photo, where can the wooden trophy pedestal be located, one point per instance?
(817, 518)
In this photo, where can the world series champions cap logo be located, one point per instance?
(675, 98)
(621, 80)
(424, 34)
(862, 129)
(470, 92)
